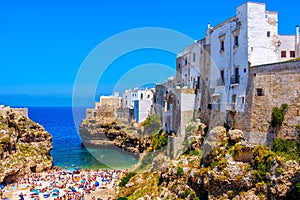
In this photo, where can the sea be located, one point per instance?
(68, 151)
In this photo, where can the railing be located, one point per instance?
(220, 82)
(235, 79)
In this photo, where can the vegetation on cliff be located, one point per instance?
(278, 115)
(24, 146)
(231, 169)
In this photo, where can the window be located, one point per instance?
(283, 54)
(259, 92)
(194, 57)
(243, 99)
(222, 76)
(179, 66)
(233, 98)
(141, 95)
(245, 70)
(222, 45)
(185, 61)
(236, 41)
(292, 54)
(236, 75)
(268, 34)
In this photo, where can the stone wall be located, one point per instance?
(5, 110)
(269, 86)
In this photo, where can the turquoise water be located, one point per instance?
(68, 151)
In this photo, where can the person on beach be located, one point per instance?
(21, 196)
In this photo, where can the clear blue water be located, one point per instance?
(68, 151)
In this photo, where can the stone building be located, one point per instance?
(217, 66)
(269, 86)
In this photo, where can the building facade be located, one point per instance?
(217, 66)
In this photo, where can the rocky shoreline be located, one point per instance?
(109, 133)
(24, 146)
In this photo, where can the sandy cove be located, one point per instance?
(65, 184)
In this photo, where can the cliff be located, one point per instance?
(107, 133)
(227, 168)
(24, 146)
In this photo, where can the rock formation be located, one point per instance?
(24, 146)
(232, 169)
(107, 133)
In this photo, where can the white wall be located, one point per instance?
(287, 45)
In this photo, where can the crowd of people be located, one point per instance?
(62, 184)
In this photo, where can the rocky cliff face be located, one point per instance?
(106, 133)
(24, 146)
(229, 169)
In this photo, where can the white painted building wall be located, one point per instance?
(144, 109)
(287, 45)
(129, 96)
(126, 99)
(258, 43)
(188, 65)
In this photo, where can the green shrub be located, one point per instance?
(159, 140)
(126, 179)
(122, 198)
(180, 171)
(237, 149)
(195, 152)
(298, 128)
(298, 187)
(185, 194)
(263, 160)
(287, 149)
(150, 120)
(222, 163)
(278, 115)
(278, 171)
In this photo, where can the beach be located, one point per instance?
(65, 184)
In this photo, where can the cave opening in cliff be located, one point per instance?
(33, 169)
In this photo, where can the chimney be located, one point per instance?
(208, 26)
(297, 45)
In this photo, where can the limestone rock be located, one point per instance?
(217, 134)
(24, 146)
(108, 133)
(236, 135)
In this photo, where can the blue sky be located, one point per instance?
(44, 43)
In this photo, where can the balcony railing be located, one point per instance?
(231, 106)
(235, 79)
(220, 82)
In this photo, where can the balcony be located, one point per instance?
(235, 80)
(231, 106)
(220, 82)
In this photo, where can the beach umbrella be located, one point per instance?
(82, 181)
(96, 183)
(1, 186)
(35, 191)
(73, 189)
(55, 190)
(46, 195)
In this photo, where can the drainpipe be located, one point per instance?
(297, 50)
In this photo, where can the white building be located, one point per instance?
(247, 39)
(138, 100)
(130, 96)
